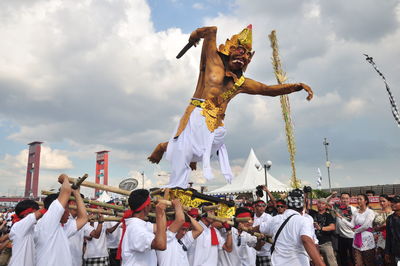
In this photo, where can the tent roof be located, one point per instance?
(104, 197)
(249, 179)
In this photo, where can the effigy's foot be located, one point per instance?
(193, 166)
(158, 153)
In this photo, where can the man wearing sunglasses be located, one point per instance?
(281, 206)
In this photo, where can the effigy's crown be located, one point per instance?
(244, 38)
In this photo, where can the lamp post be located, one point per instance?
(266, 167)
(142, 179)
(328, 163)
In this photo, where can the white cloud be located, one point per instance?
(355, 107)
(198, 6)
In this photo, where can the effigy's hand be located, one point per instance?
(194, 39)
(308, 90)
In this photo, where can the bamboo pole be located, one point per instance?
(101, 187)
(91, 210)
(93, 202)
(230, 221)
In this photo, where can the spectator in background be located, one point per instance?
(392, 248)
(344, 231)
(361, 223)
(324, 225)
(281, 206)
(370, 193)
(380, 227)
(271, 202)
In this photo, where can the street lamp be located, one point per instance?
(142, 179)
(328, 163)
(266, 167)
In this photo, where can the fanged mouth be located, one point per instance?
(238, 61)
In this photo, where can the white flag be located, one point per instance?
(319, 179)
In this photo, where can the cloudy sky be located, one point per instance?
(88, 75)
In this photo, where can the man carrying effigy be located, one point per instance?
(200, 132)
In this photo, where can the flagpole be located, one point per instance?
(328, 163)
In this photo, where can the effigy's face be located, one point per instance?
(239, 57)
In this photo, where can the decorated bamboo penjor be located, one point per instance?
(200, 132)
(285, 105)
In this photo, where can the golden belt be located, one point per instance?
(213, 114)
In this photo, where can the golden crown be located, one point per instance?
(244, 38)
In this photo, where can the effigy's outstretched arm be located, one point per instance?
(254, 87)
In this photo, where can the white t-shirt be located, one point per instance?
(76, 242)
(23, 248)
(243, 252)
(343, 229)
(136, 245)
(289, 249)
(265, 250)
(202, 253)
(97, 247)
(52, 246)
(113, 238)
(175, 255)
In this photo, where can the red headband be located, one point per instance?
(17, 218)
(141, 207)
(186, 225)
(243, 214)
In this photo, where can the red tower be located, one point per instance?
(32, 170)
(101, 169)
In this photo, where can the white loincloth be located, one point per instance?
(197, 144)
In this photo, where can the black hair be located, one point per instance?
(385, 196)
(345, 193)
(242, 210)
(25, 204)
(137, 198)
(370, 192)
(365, 198)
(49, 199)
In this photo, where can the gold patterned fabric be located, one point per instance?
(214, 114)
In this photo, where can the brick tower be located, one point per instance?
(32, 170)
(101, 169)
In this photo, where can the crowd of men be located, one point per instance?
(280, 232)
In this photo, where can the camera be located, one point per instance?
(259, 191)
(307, 189)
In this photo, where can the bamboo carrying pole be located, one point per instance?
(93, 202)
(91, 210)
(230, 221)
(101, 187)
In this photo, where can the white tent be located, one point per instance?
(249, 179)
(104, 197)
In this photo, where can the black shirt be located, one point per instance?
(393, 235)
(323, 220)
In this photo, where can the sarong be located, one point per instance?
(197, 144)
